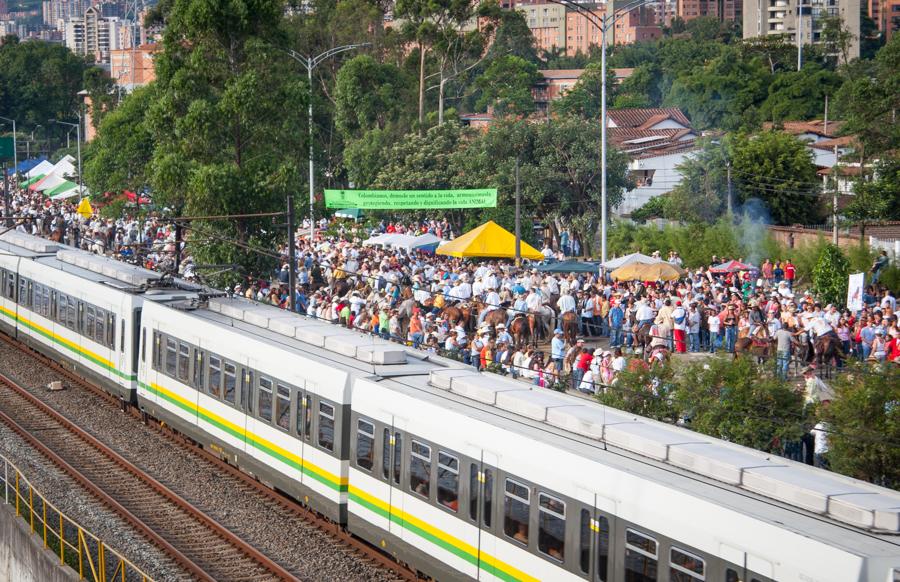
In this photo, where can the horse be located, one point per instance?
(763, 350)
(828, 349)
(642, 337)
(340, 287)
(495, 317)
(519, 330)
(570, 327)
(452, 315)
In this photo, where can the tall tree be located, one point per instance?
(700, 196)
(371, 95)
(506, 86)
(229, 123)
(870, 100)
(798, 95)
(778, 169)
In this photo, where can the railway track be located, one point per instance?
(231, 476)
(205, 549)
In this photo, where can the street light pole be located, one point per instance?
(15, 146)
(603, 24)
(311, 62)
(77, 126)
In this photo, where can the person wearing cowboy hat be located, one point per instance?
(503, 335)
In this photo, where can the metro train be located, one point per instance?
(461, 475)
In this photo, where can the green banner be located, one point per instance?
(7, 148)
(411, 199)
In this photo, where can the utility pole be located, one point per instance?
(292, 254)
(730, 210)
(518, 219)
(311, 62)
(835, 171)
(799, 34)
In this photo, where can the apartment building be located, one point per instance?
(723, 10)
(780, 17)
(547, 22)
(95, 35)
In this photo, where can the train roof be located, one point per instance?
(98, 268)
(581, 425)
(783, 513)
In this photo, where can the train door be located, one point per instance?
(741, 566)
(488, 514)
(399, 468)
(602, 542)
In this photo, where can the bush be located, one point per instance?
(830, 276)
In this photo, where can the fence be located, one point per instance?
(76, 547)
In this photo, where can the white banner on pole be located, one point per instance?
(855, 292)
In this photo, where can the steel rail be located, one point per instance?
(126, 467)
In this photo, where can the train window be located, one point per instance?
(198, 370)
(61, 309)
(9, 286)
(265, 399)
(640, 557)
(247, 391)
(230, 381)
(184, 362)
(602, 528)
(365, 444)
(143, 343)
(473, 492)
(420, 468)
(283, 407)
(171, 355)
(584, 542)
(99, 326)
(515, 511)
(156, 350)
(89, 321)
(23, 292)
(731, 576)
(398, 458)
(72, 315)
(551, 526)
(448, 481)
(386, 454)
(111, 332)
(326, 426)
(308, 415)
(122, 338)
(214, 376)
(488, 497)
(685, 567)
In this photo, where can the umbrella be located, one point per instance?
(570, 267)
(614, 264)
(731, 267)
(354, 213)
(643, 272)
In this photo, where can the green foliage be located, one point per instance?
(798, 95)
(778, 169)
(657, 207)
(39, 81)
(868, 101)
(506, 86)
(102, 91)
(584, 98)
(830, 275)
(864, 419)
(513, 38)
(878, 198)
(701, 196)
(371, 95)
(728, 399)
(724, 93)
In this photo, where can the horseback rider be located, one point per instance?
(757, 320)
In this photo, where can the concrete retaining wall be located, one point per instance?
(22, 555)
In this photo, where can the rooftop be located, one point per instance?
(645, 118)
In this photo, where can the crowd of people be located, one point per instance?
(406, 296)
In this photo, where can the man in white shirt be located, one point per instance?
(566, 303)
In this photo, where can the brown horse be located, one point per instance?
(642, 337)
(570, 327)
(467, 318)
(495, 317)
(519, 330)
(452, 315)
(762, 349)
(340, 287)
(829, 350)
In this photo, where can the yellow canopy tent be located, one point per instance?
(488, 240)
(643, 272)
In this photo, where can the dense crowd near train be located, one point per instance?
(541, 327)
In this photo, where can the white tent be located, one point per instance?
(64, 168)
(43, 168)
(70, 193)
(379, 239)
(426, 240)
(614, 264)
(399, 241)
(49, 183)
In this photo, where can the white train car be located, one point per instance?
(473, 476)
(81, 308)
(260, 387)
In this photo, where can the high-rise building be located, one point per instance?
(640, 24)
(547, 22)
(886, 15)
(780, 17)
(95, 35)
(721, 9)
(581, 30)
(55, 10)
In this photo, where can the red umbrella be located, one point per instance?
(731, 267)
